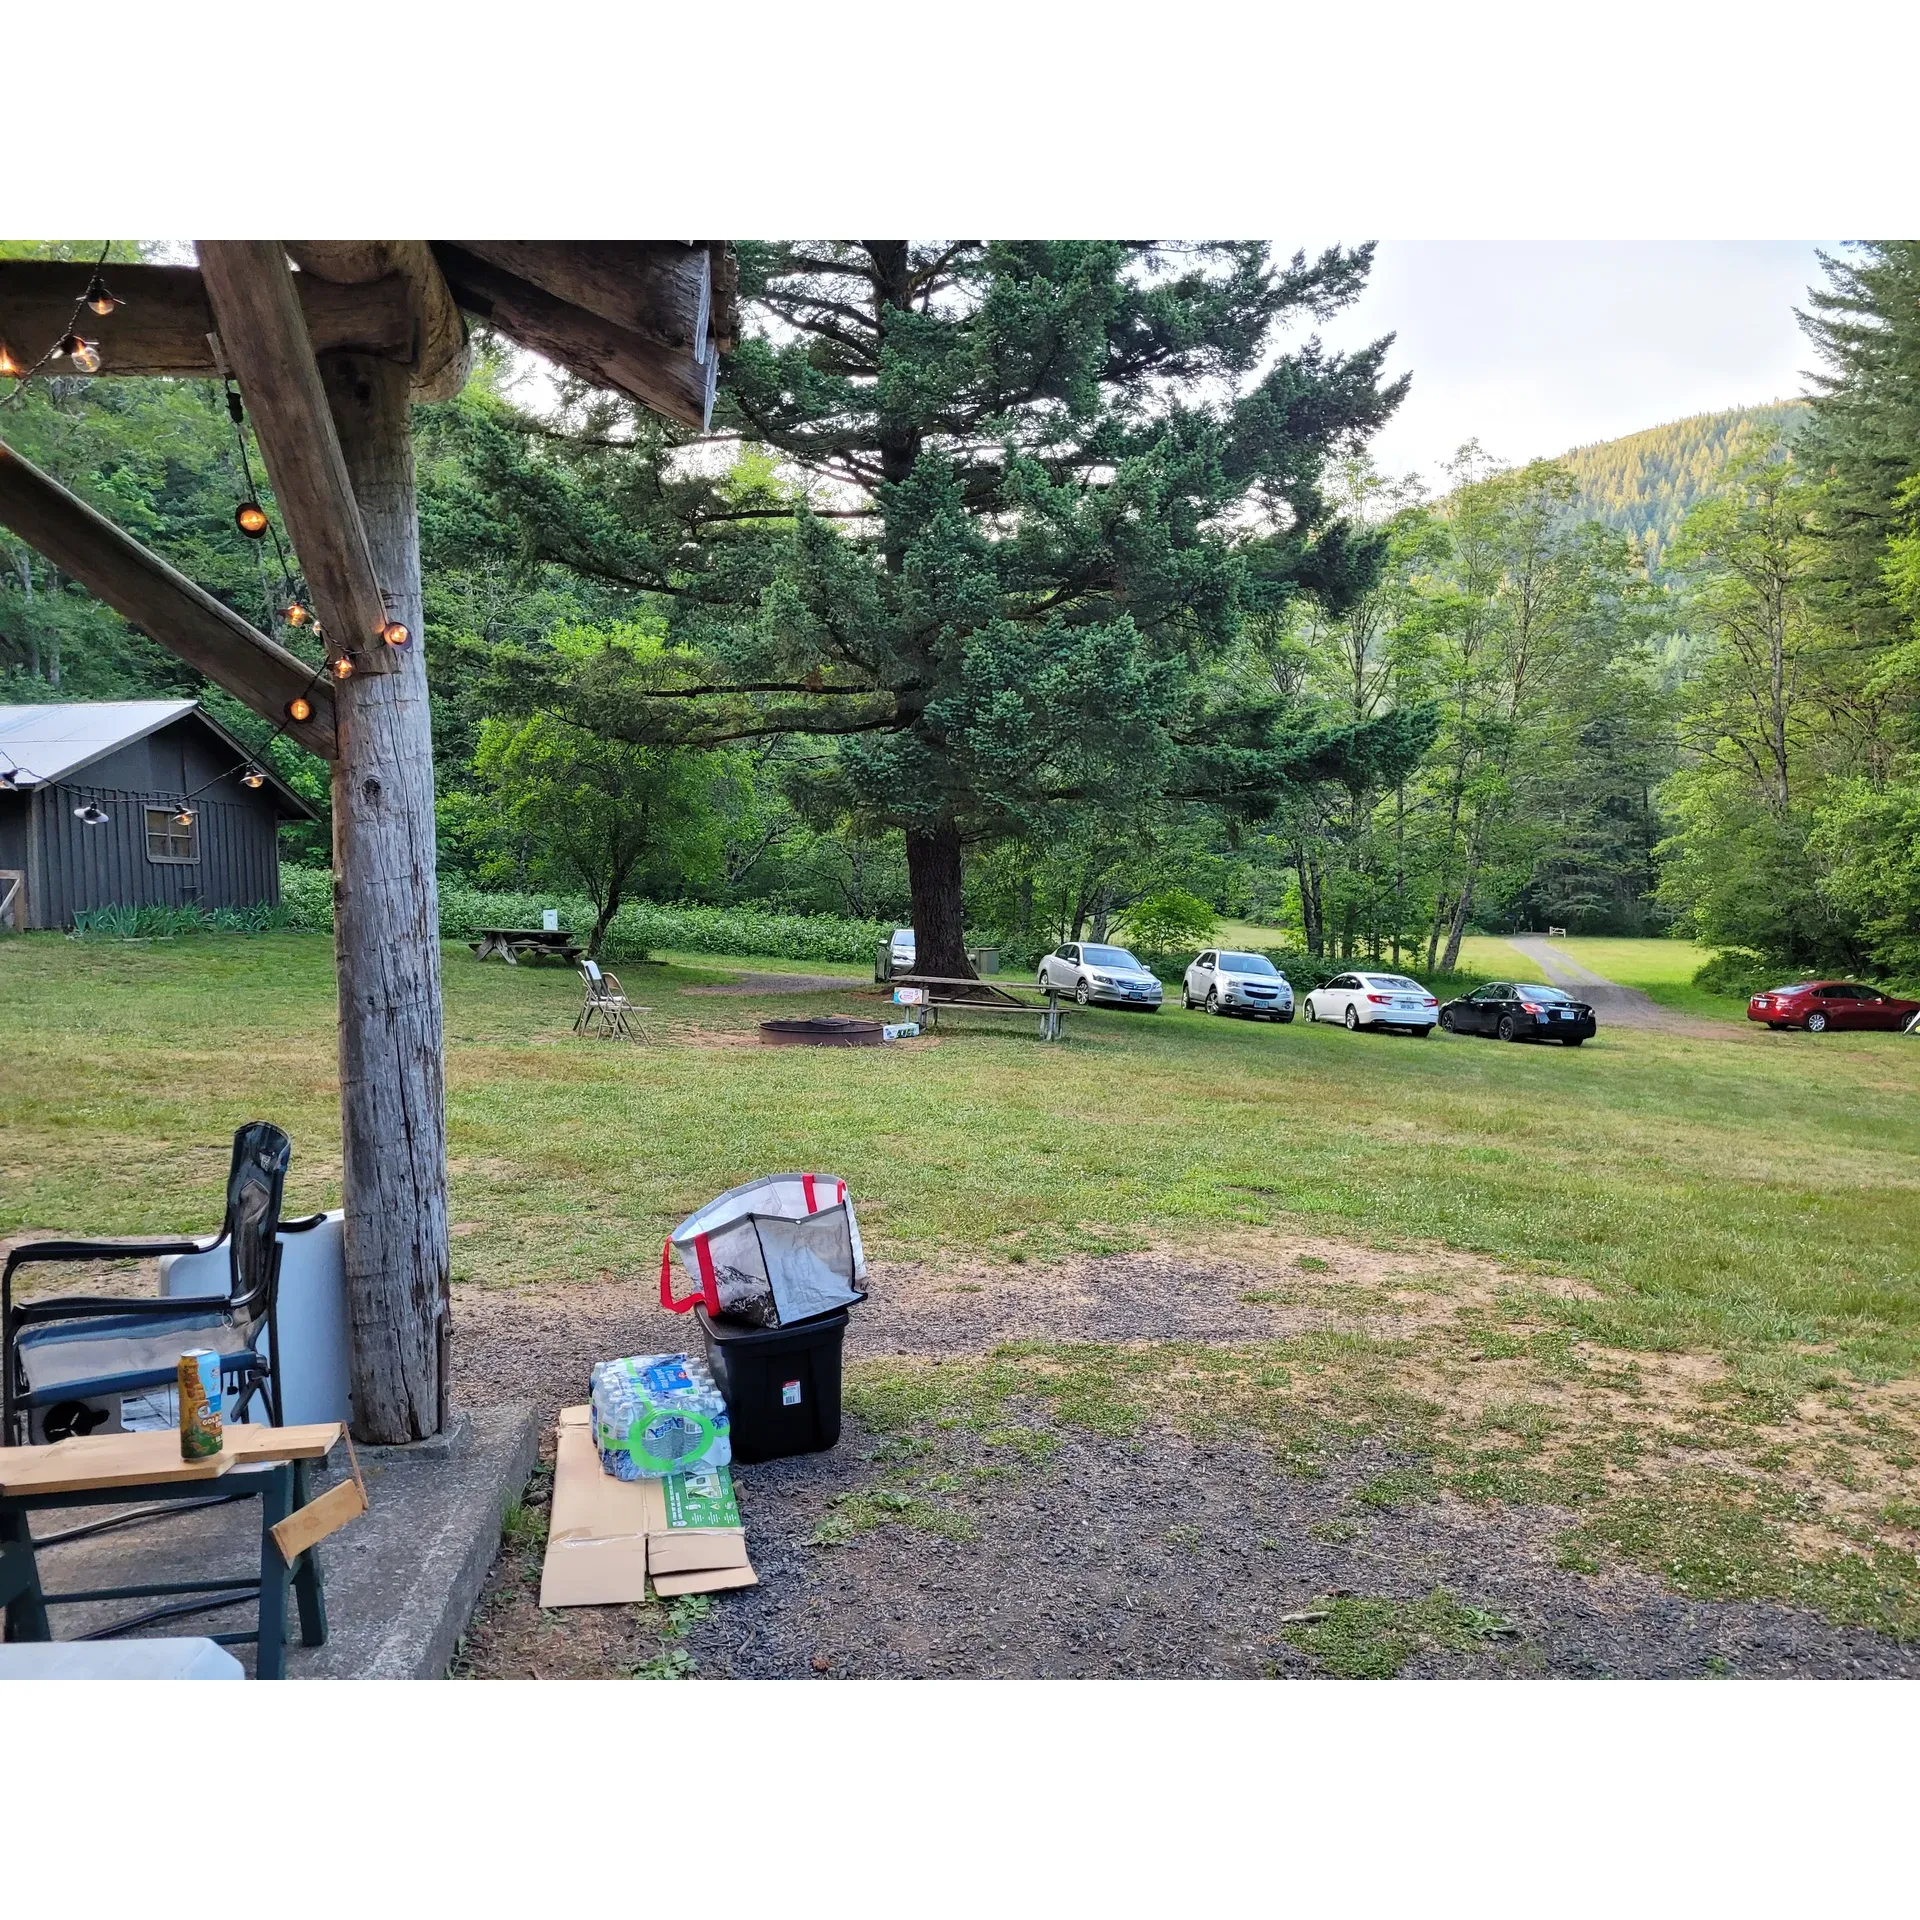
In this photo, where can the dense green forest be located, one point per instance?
(1646, 483)
(1050, 587)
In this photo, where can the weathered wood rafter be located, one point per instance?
(163, 604)
(672, 383)
(252, 292)
(164, 325)
(441, 356)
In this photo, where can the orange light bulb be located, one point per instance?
(341, 669)
(394, 634)
(300, 708)
(251, 518)
(253, 777)
(297, 615)
(10, 368)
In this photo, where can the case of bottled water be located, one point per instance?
(658, 1413)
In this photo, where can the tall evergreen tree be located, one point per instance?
(1039, 475)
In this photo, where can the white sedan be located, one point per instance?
(1249, 983)
(1374, 1000)
(1110, 975)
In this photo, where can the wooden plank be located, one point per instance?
(668, 380)
(251, 289)
(660, 290)
(387, 957)
(307, 1526)
(105, 1460)
(442, 356)
(163, 326)
(163, 604)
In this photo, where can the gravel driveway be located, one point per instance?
(1617, 1005)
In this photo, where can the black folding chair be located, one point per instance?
(60, 1353)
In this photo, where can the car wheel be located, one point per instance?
(1446, 1020)
(1081, 993)
(1286, 1019)
(1307, 1008)
(1508, 1031)
(1816, 1023)
(1213, 1000)
(1575, 1040)
(1353, 1021)
(1419, 1033)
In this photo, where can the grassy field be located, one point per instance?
(1745, 1216)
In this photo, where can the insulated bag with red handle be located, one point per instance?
(769, 1253)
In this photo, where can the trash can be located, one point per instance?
(781, 1384)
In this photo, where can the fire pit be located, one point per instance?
(822, 1030)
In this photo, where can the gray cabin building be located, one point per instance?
(90, 801)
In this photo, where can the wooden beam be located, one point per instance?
(163, 326)
(660, 290)
(670, 381)
(251, 289)
(163, 604)
(442, 357)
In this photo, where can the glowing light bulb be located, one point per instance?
(297, 615)
(99, 299)
(300, 708)
(251, 518)
(253, 777)
(341, 669)
(10, 368)
(85, 354)
(184, 818)
(394, 634)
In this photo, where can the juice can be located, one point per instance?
(199, 1379)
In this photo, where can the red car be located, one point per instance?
(1819, 1005)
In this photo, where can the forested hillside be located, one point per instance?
(1644, 484)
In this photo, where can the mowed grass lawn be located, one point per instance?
(1718, 1197)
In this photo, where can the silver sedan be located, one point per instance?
(1110, 975)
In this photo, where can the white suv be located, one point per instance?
(1246, 983)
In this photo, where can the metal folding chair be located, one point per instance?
(59, 1354)
(607, 1002)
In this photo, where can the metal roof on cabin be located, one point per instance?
(57, 741)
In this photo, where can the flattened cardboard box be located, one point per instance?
(607, 1535)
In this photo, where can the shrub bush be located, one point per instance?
(1741, 975)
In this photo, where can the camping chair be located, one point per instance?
(58, 1354)
(607, 1002)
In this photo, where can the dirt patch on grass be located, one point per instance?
(1144, 1462)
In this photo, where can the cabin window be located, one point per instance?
(168, 842)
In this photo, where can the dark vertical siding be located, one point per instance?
(74, 868)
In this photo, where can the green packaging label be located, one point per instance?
(703, 1498)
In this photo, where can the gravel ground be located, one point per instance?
(1148, 1556)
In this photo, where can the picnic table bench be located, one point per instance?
(514, 944)
(988, 996)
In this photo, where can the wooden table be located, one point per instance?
(112, 1469)
(988, 996)
(514, 944)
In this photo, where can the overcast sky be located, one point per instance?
(1533, 347)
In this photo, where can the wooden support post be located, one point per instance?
(386, 921)
(163, 604)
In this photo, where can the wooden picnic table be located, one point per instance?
(116, 1469)
(988, 996)
(514, 944)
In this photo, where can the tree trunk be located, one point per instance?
(939, 926)
(387, 948)
(1462, 911)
